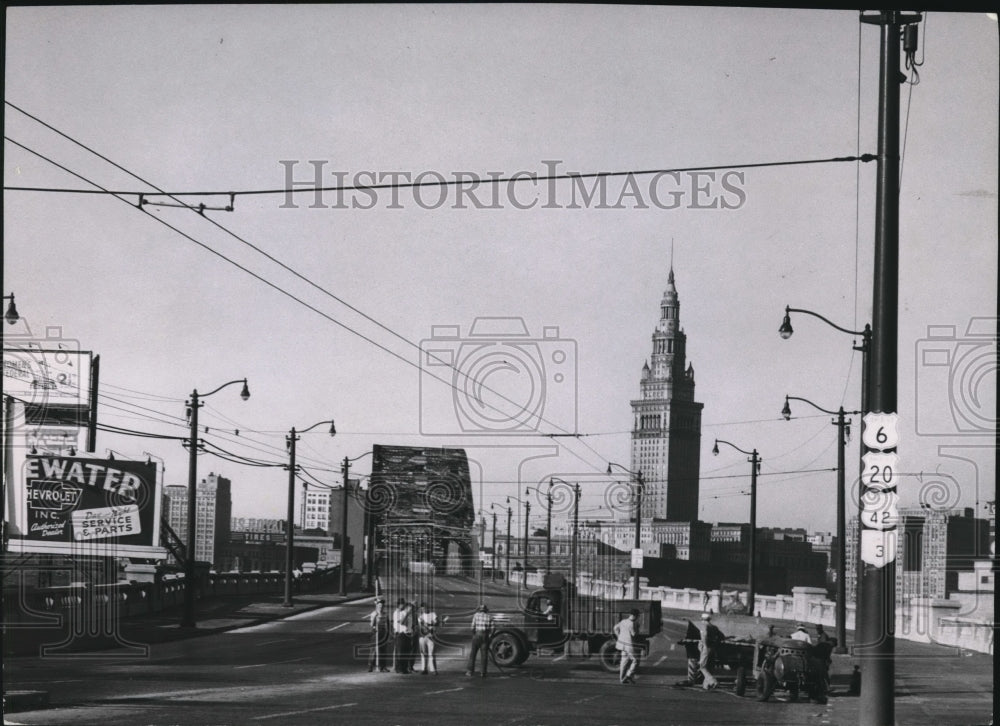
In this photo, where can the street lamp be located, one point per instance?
(346, 466)
(548, 525)
(506, 567)
(11, 315)
(754, 469)
(843, 431)
(785, 331)
(290, 525)
(493, 568)
(527, 516)
(193, 404)
(639, 486)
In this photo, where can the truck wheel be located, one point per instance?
(507, 650)
(611, 657)
(741, 680)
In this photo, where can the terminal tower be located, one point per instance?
(666, 426)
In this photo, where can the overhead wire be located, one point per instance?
(867, 157)
(259, 277)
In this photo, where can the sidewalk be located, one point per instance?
(212, 616)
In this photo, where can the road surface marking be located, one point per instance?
(556, 660)
(336, 627)
(261, 665)
(447, 690)
(270, 642)
(308, 710)
(662, 658)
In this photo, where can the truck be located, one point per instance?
(557, 619)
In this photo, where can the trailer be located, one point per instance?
(557, 619)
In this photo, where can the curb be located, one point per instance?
(14, 701)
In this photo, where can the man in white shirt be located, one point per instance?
(625, 633)
(403, 636)
(427, 623)
(801, 634)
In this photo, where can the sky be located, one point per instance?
(256, 98)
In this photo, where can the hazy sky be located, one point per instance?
(221, 98)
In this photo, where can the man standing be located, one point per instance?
(625, 632)
(403, 634)
(427, 623)
(482, 629)
(379, 622)
(801, 634)
(711, 636)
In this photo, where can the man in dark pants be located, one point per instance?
(482, 629)
(379, 622)
(403, 632)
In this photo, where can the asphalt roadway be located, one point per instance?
(256, 662)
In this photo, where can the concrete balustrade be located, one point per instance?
(149, 592)
(963, 622)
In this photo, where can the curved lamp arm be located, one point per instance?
(785, 331)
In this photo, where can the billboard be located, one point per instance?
(52, 383)
(101, 507)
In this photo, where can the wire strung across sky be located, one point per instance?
(278, 288)
(441, 182)
(159, 192)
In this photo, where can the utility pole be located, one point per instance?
(752, 574)
(576, 523)
(343, 529)
(841, 633)
(290, 523)
(548, 532)
(506, 568)
(638, 531)
(527, 517)
(493, 566)
(877, 539)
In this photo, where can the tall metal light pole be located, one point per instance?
(548, 525)
(290, 524)
(638, 492)
(527, 516)
(346, 465)
(878, 578)
(187, 616)
(785, 331)
(493, 567)
(576, 526)
(754, 469)
(506, 568)
(843, 428)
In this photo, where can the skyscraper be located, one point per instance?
(214, 508)
(666, 428)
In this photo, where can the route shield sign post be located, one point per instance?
(880, 502)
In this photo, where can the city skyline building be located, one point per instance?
(666, 428)
(214, 508)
